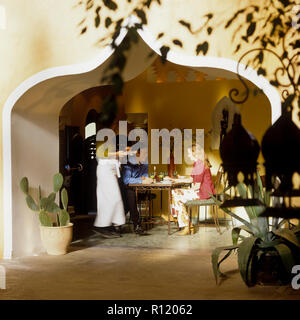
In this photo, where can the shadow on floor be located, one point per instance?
(206, 237)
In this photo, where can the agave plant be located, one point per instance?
(267, 236)
(47, 205)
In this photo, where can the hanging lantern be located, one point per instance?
(281, 150)
(281, 142)
(239, 151)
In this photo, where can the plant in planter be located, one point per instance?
(56, 235)
(271, 250)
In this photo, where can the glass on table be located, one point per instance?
(161, 176)
(152, 175)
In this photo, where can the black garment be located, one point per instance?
(132, 205)
(106, 232)
(129, 200)
(122, 187)
(90, 175)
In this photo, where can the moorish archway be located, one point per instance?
(30, 127)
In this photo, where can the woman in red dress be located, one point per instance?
(201, 189)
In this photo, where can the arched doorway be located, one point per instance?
(30, 128)
(172, 97)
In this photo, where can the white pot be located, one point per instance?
(56, 239)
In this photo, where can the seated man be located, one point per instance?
(132, 173)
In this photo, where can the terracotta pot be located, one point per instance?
(56, 239)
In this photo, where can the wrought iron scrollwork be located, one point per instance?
(286, 71)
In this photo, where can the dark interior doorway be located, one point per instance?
(78, 164)
(90, 163)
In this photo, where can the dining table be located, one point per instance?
(165, 185)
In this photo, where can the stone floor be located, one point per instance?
(155, 266)
(205, 237)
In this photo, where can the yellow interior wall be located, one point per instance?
(189, 105)
(77, 109)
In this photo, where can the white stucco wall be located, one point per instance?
(35, 141)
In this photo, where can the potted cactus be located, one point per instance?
(272, 248)
(56, 229)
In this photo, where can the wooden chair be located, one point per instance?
(210, 202)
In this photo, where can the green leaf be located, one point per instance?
(161, 34)
(48, 205)
(178, 43)
(97, 10)
(260, 57)
(45, 219)
(242, 190)
(286, 256)
(244, 256)
(274, 83)
(89, 4)
(249, 273)
(202, 47)
(44, 203)
(263, 225)
(281, 223)
(142, 15)
(53, 207)
(52, 196)
(229, 22)
(267, 198)
(260, 186)
(97, 21)
(147, 3)
(64, 198)
(215, 259)
(252, 212)
(296, 229)
(251, 29)
(238, 47)
(235, 233)
(249, 17)
(64, 218)
(108, 22)
(83, 30)
(288, 235)
(39, 193)
(57, 182)
(31, 203)
(186, 24)
(110, 4)
(243, 221)
(261, 71)
(24, 185)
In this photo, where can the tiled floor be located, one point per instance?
(206, 237)
(155, 266)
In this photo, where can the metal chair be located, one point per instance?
(210, 202)
(145, 199)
